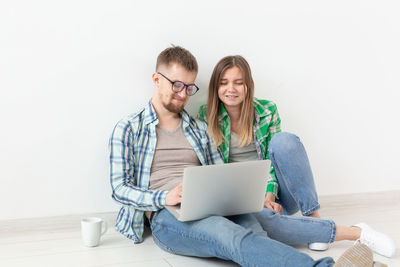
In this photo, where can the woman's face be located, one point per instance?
(232, 89)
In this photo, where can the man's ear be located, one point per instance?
(155, 78)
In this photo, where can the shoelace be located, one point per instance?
(366, 242)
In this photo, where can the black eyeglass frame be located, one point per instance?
(185, 86)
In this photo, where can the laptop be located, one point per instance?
(224, 190)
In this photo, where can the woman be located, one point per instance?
(246, 128)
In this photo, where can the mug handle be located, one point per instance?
(105, 228)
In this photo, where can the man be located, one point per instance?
(149, 151)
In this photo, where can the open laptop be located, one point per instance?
(226, 189)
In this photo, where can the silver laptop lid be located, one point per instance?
(226, 189)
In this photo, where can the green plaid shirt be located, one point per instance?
(266, 124)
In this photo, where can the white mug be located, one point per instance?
(91, 230)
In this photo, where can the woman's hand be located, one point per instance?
(269, 203)
(174, 196)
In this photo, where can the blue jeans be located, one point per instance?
(293, 172)
(255, 239)
(238, 238)
(297, 192)
(296, 229)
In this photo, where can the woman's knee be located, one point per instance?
(284, 142)
(265, 214)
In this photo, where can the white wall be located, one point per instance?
(69, 70)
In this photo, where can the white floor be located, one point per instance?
(55, 241)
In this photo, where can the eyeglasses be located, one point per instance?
(178, 86)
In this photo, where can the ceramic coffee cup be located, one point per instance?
(92, 230)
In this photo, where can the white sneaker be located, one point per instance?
(377, 241)
(318, 246)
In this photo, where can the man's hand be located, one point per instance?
(269, 203)
(174, 196)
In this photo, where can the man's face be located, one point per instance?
(173, 102)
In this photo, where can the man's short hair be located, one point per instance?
(179, 55)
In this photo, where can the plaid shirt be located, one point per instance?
(266, 124)
(132, 147)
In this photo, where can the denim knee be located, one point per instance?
(284, 142)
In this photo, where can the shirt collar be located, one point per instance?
(150, 114)
(222, 111)
(260, 109)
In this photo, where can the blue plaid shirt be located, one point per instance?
(132, 146)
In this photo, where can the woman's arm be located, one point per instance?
(273, 128)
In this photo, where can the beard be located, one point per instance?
(171, 107)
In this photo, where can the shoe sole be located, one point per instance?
(358, 255)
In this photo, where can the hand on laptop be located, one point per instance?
(174, 196)
(269, 203)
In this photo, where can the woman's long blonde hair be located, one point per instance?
(247, 107)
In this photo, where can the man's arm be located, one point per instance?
(122, 169)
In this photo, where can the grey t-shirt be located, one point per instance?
(239, 154)
(173, 153)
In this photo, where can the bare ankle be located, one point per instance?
(347, 233)
(356, 231)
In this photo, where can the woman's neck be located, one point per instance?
(234, 116)
(234, 113)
